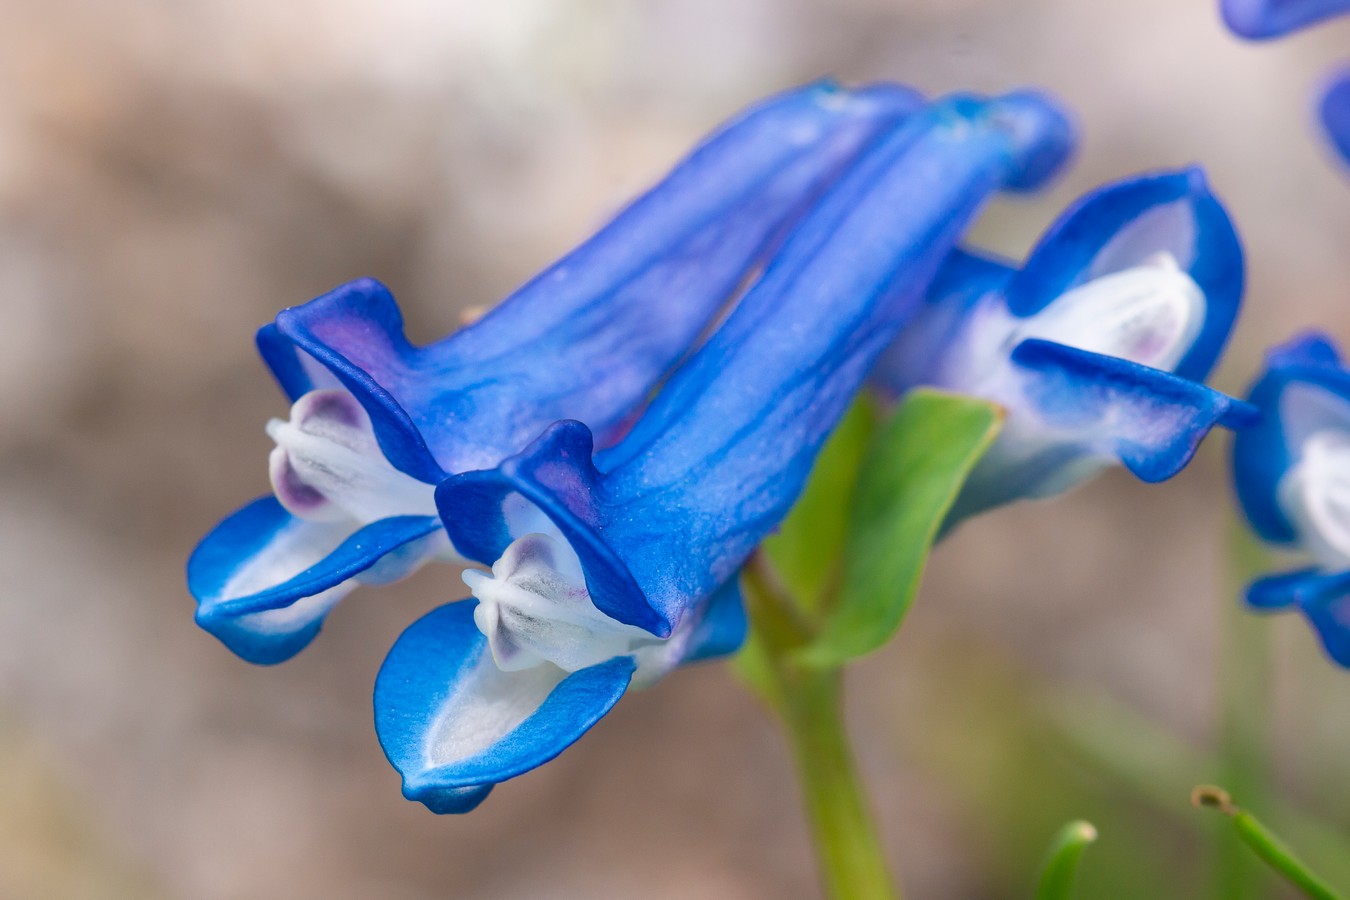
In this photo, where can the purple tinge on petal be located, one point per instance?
(334, 417)
(291, 490)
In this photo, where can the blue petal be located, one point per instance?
(263, 560)
(1323, 598)
(1334, 111)
(1119, 226)
(672, 512)
(964, 278)
(1263, 453)
(1153, 421)
(1331, 621)
(1262, 19)
(440, 661)
(356, 333)
(1303, 588)
(721, 628)
(591, 335)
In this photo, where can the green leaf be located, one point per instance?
(1061, 863)
(808, 545)
(911, 475)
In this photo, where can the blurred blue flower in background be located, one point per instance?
(1292, 474)
(377, 422)
(613, 568)
(1262, 19)
(1334, 112)
(1097, 347)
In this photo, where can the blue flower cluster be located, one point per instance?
(606, 448)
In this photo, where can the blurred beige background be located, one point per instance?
(173, 173)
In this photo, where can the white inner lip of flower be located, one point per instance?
(1149, 314)
(1316, 495)
(534, 608)
(328, 467)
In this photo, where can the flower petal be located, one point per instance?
(1263, 19)
(1334, 111)
(1323, 598)
(453, 724)
(1121, 226)
(1152, 421)
(264, 580)
(722, 625)
(1305, 587)
(1331, 621)
(964, 278)
(1303, 390)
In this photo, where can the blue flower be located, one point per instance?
(611, 568)
(1292, 474)
(1334, 111)
(1262, 19)
(377, 422)
(1097, 347)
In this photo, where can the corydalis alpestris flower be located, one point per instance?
(610, 567)
(1097, 347)
(377, 422)
(1292, 475)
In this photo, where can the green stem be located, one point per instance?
(1266, 844)
(1246, 673)
(852, 860)
(809, 703)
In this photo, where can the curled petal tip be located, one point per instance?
(444, 801)
(1044, 136)
(1197, 182)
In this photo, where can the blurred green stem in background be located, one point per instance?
(1246, 674)
(1061, 862)
(1264, 843)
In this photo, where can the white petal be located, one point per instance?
(1169, 228)
(328, 466)
(1316, 495)
(487, 705)
(1149, 314)
(534, 606)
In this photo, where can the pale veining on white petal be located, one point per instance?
(487, 705)
(328, 466)
(1149, 314)
(293, 549)
(534, 608)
